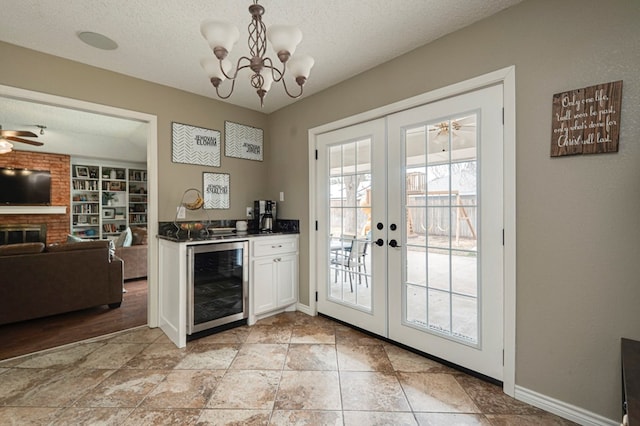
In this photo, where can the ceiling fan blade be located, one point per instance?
(14, 133)
(15, 139)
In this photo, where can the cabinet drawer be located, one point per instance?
(265, 246)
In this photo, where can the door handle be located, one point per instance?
(379, 242)
(394, 243)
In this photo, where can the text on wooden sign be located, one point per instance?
(586, 121)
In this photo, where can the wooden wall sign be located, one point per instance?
(586, 121)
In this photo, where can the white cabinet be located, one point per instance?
(273, 283)
(264, 293)
(286, 273)
(274, 275)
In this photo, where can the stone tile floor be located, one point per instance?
(290, 369)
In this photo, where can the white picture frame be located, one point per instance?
(82, 171)
(215, 190)
(108, 213)
(195, 145)
(242, 141)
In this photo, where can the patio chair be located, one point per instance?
(351, 260)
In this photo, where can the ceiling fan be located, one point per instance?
(15, 136)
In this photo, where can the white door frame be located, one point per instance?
(152, 169)
(506, 77)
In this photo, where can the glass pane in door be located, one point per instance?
(349, 278)
(441, 255)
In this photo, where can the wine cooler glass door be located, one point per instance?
(218, 283)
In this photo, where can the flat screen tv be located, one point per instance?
(24, 187)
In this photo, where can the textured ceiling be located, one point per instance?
(74, 132)
(160, 41)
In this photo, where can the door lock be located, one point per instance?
(393, 243)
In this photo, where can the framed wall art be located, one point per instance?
(195, 145)
(108, 213)
(242, 141)
(215, 190)
(82, 171)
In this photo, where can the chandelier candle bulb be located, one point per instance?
(267, 80)
(220, 34)
(284, 39)
(216, 71)
(300, 66)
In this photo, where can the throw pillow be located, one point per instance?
(120, 240)
(128, 238)
(75, 239)
(124, 239)
(139, 236)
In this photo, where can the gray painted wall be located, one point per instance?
(49, 74)
(578, 261)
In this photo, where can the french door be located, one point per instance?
(410, 220)
(445, 284)
(351, 192)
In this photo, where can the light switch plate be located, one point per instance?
(249, 212)
(281, 196)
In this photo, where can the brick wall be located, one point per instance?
(59, 166)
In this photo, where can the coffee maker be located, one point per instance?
(264, 212)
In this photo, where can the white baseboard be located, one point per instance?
(305, 309)
(563, 409)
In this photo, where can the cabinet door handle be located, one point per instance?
(278, 246)
(277, 259)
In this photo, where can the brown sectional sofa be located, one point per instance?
(134, 255)
(135, 261)
(62, 278)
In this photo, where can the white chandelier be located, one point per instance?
(284, 39)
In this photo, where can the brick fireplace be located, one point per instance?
(23, 233)
(57, 225)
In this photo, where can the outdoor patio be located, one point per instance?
(431, 306)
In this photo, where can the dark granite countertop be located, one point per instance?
(214, 236)
(223, 230)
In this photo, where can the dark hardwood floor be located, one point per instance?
(44, 333)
